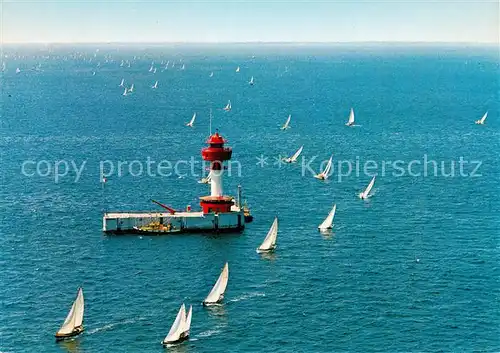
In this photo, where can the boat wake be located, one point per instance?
(208, 333)
(248, 296)
(112, 326)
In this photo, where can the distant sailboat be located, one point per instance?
(183, 67)
(294, 158)
(73, 324)
(251, 83)
(125, 92)
(207, 180)
(155, 86)
(217, 293)
(350, 122)
(228, 106)
(366, 194)
(211, 74)
(238, 69)
(326, 172)
(151, 68)
(327, 223)
(121, 64)
(178, 330)
(131, 89)
(191, 122)
(287, 124)
(154, 71)
(481, 121)
(269, 243)
(122, 84)
(18, 70)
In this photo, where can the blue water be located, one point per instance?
(414, 268)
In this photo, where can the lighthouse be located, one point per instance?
(219, 212)
(216, 154)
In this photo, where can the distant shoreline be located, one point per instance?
(289, 44)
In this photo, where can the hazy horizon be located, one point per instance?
(243, 21)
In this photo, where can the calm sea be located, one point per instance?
(413, 269)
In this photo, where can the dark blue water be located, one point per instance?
(414, 268)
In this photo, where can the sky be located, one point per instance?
(92, 21)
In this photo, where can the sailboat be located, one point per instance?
(228, 106)
(366, 194)
(238, 69)
(251, 82)
(217, 293)
(187, 323)
(122, 83)
(180, 328)
(18, 70)
(481, 121)
(131, 89)
(121, 64)
(350, 122)
(151, 68)
(207, 180)
(327, 223)
(211, 74)
(191, 122)
(154, 71)
(287, 124)
(269, 243)
(155, 86)
(125, 92)
(326, 172)
(293, 158)
(73, 324)
(183, 67)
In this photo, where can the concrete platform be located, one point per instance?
(147, 222)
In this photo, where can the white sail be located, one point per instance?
(151, 68)
(211, 74)
(251, 81)
(351, 118)
(287, 124)
(238, 69)
(327, 223)
(191, 122)
(328, 167)
(154, 71)
(125, 92)
(131, 89)
(481, 121)
(228, 106)
(155, 85)
(206, 180)
(269, 242)
(187, 323)
(177, 327)
(365, 193)
(293, 158)
(217, 292)
(75, 316)
(122, 83)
